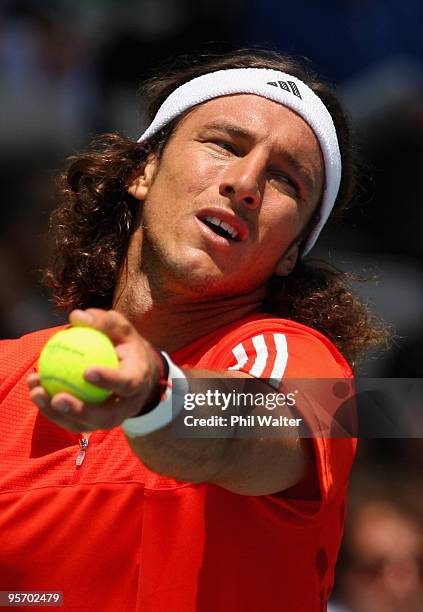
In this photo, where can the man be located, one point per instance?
(179, 243)
(380, 564)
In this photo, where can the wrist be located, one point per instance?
(171, 404)
(160, 386)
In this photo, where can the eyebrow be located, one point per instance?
(240, 132)
(230, 128)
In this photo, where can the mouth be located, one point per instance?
(221, 228)
(223, 225)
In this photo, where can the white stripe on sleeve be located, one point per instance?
(281, 359)
(241, 357)
(262, 357)
(262, 354)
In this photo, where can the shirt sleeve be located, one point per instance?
(301, 357)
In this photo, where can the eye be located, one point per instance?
(227, 146)
(285, 179)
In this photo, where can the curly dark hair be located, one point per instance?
(93, 223)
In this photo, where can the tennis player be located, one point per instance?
(187, 248)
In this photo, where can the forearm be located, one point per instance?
(192, 459)
(250, 465)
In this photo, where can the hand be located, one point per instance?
(133, 384)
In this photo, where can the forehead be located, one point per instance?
(265, 119)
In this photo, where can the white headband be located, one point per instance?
(274, 85)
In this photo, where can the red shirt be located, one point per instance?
(112, 535)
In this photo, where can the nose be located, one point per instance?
(242, 181)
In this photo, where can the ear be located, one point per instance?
(287, 262)
(140, 184)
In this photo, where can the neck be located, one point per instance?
(170, 321)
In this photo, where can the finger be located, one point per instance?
(60, 404)
(33, 380)
(110, 322)
(65, 421)
(137, 374)
(43, 401)
(71, 413)
(90, 417)
(122, 383)
(40, 397)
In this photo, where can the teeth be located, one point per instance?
(231, 231)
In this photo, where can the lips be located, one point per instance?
(221, 228)
(224, 224)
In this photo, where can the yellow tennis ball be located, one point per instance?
(68, 354)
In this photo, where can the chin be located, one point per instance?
(201, 277)
(217, 286)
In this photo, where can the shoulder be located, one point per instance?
(31, 341)
(264, 346)
(17, 355)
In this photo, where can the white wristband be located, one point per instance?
(167, 410)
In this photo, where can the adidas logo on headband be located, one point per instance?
(287, 85)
